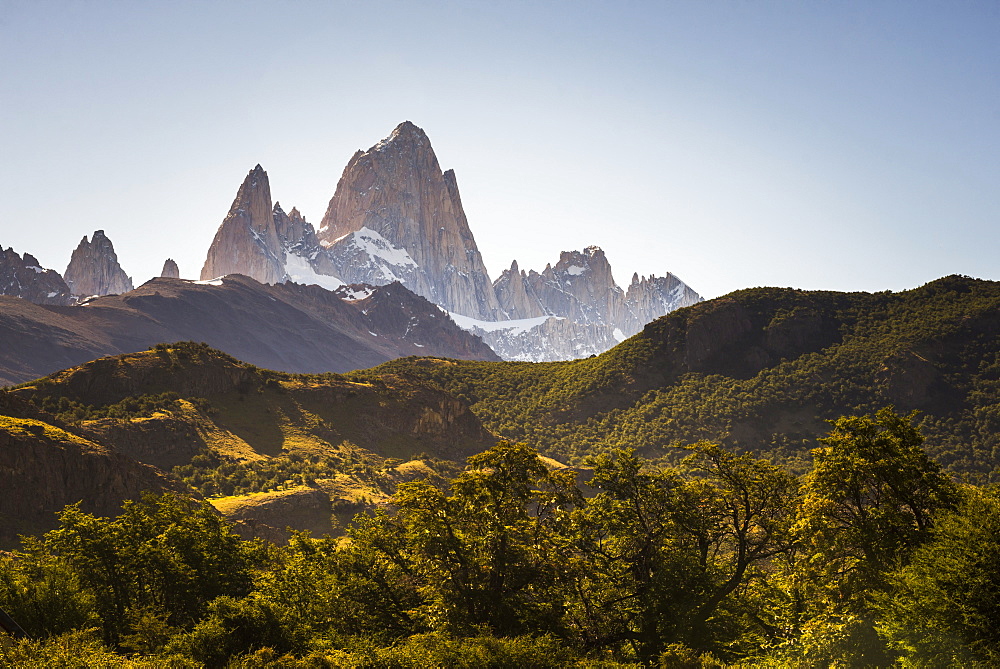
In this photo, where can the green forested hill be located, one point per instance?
(762, 370)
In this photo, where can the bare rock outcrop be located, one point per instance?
(396, 216)
(43, 468)
(247, 242)
(94, 270)
(170, 269)
(24, 277)
(649, 298)
(516, 297)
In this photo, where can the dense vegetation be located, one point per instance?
(759, 370)
(873, 556)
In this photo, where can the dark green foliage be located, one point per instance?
(163, 556)
(871, 558)
(942, 608)
(760, 370)
(213, 477)
(70, 411)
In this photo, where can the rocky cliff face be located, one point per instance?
(94, 270)
(396, 216)
(648, 299)
(170, 270)
(43, 468)
(247, 242)
(580, 290)
(24, 277)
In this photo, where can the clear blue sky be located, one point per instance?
(835, 145)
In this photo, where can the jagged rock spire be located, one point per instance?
(27, 279)
(94, 270)
(170, 269)
(246, 242)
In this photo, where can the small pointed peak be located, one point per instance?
(29, 259)
(257, 168)
(99, 233)
(408, 127)
(170, 269)
(294, 213)
(404, 132)
(513, 267)
(277, 210)
(635, 278)
(592, 251)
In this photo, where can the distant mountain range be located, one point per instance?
(395, 217)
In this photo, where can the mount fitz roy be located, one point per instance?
(395, 216)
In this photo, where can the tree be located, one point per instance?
(163, 558)
(870, 500)
(943, 607)
(668, 553)
(487, 555)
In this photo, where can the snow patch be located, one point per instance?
(298, 269)
(619, 335)
(575, 270)
(353, 295)
(519, 326)
(208, 282)
(38, 270)
(378, 246)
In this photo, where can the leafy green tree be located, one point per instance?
(944, 606)
(163, 555)
(669, 553)
(487, 555)
(870, 500)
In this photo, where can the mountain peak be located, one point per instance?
(246, 242)
(170, 269)
(94, 270)
(397, 192)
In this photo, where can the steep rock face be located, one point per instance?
(513, 294)
(25, 278)
(247, 242)
(550, 340)
(170, 270)
(396, 216)
(94, 270)
(49, 468)
(649, 298)
(581, 288)
(581, 291)
(304, 256)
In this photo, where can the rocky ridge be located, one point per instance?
(94, 270)
(288, 327)
(24, 277)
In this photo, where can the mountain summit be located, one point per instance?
(94, 270)
(396, 215)
(246, 242)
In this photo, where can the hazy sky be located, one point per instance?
(836, 145)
